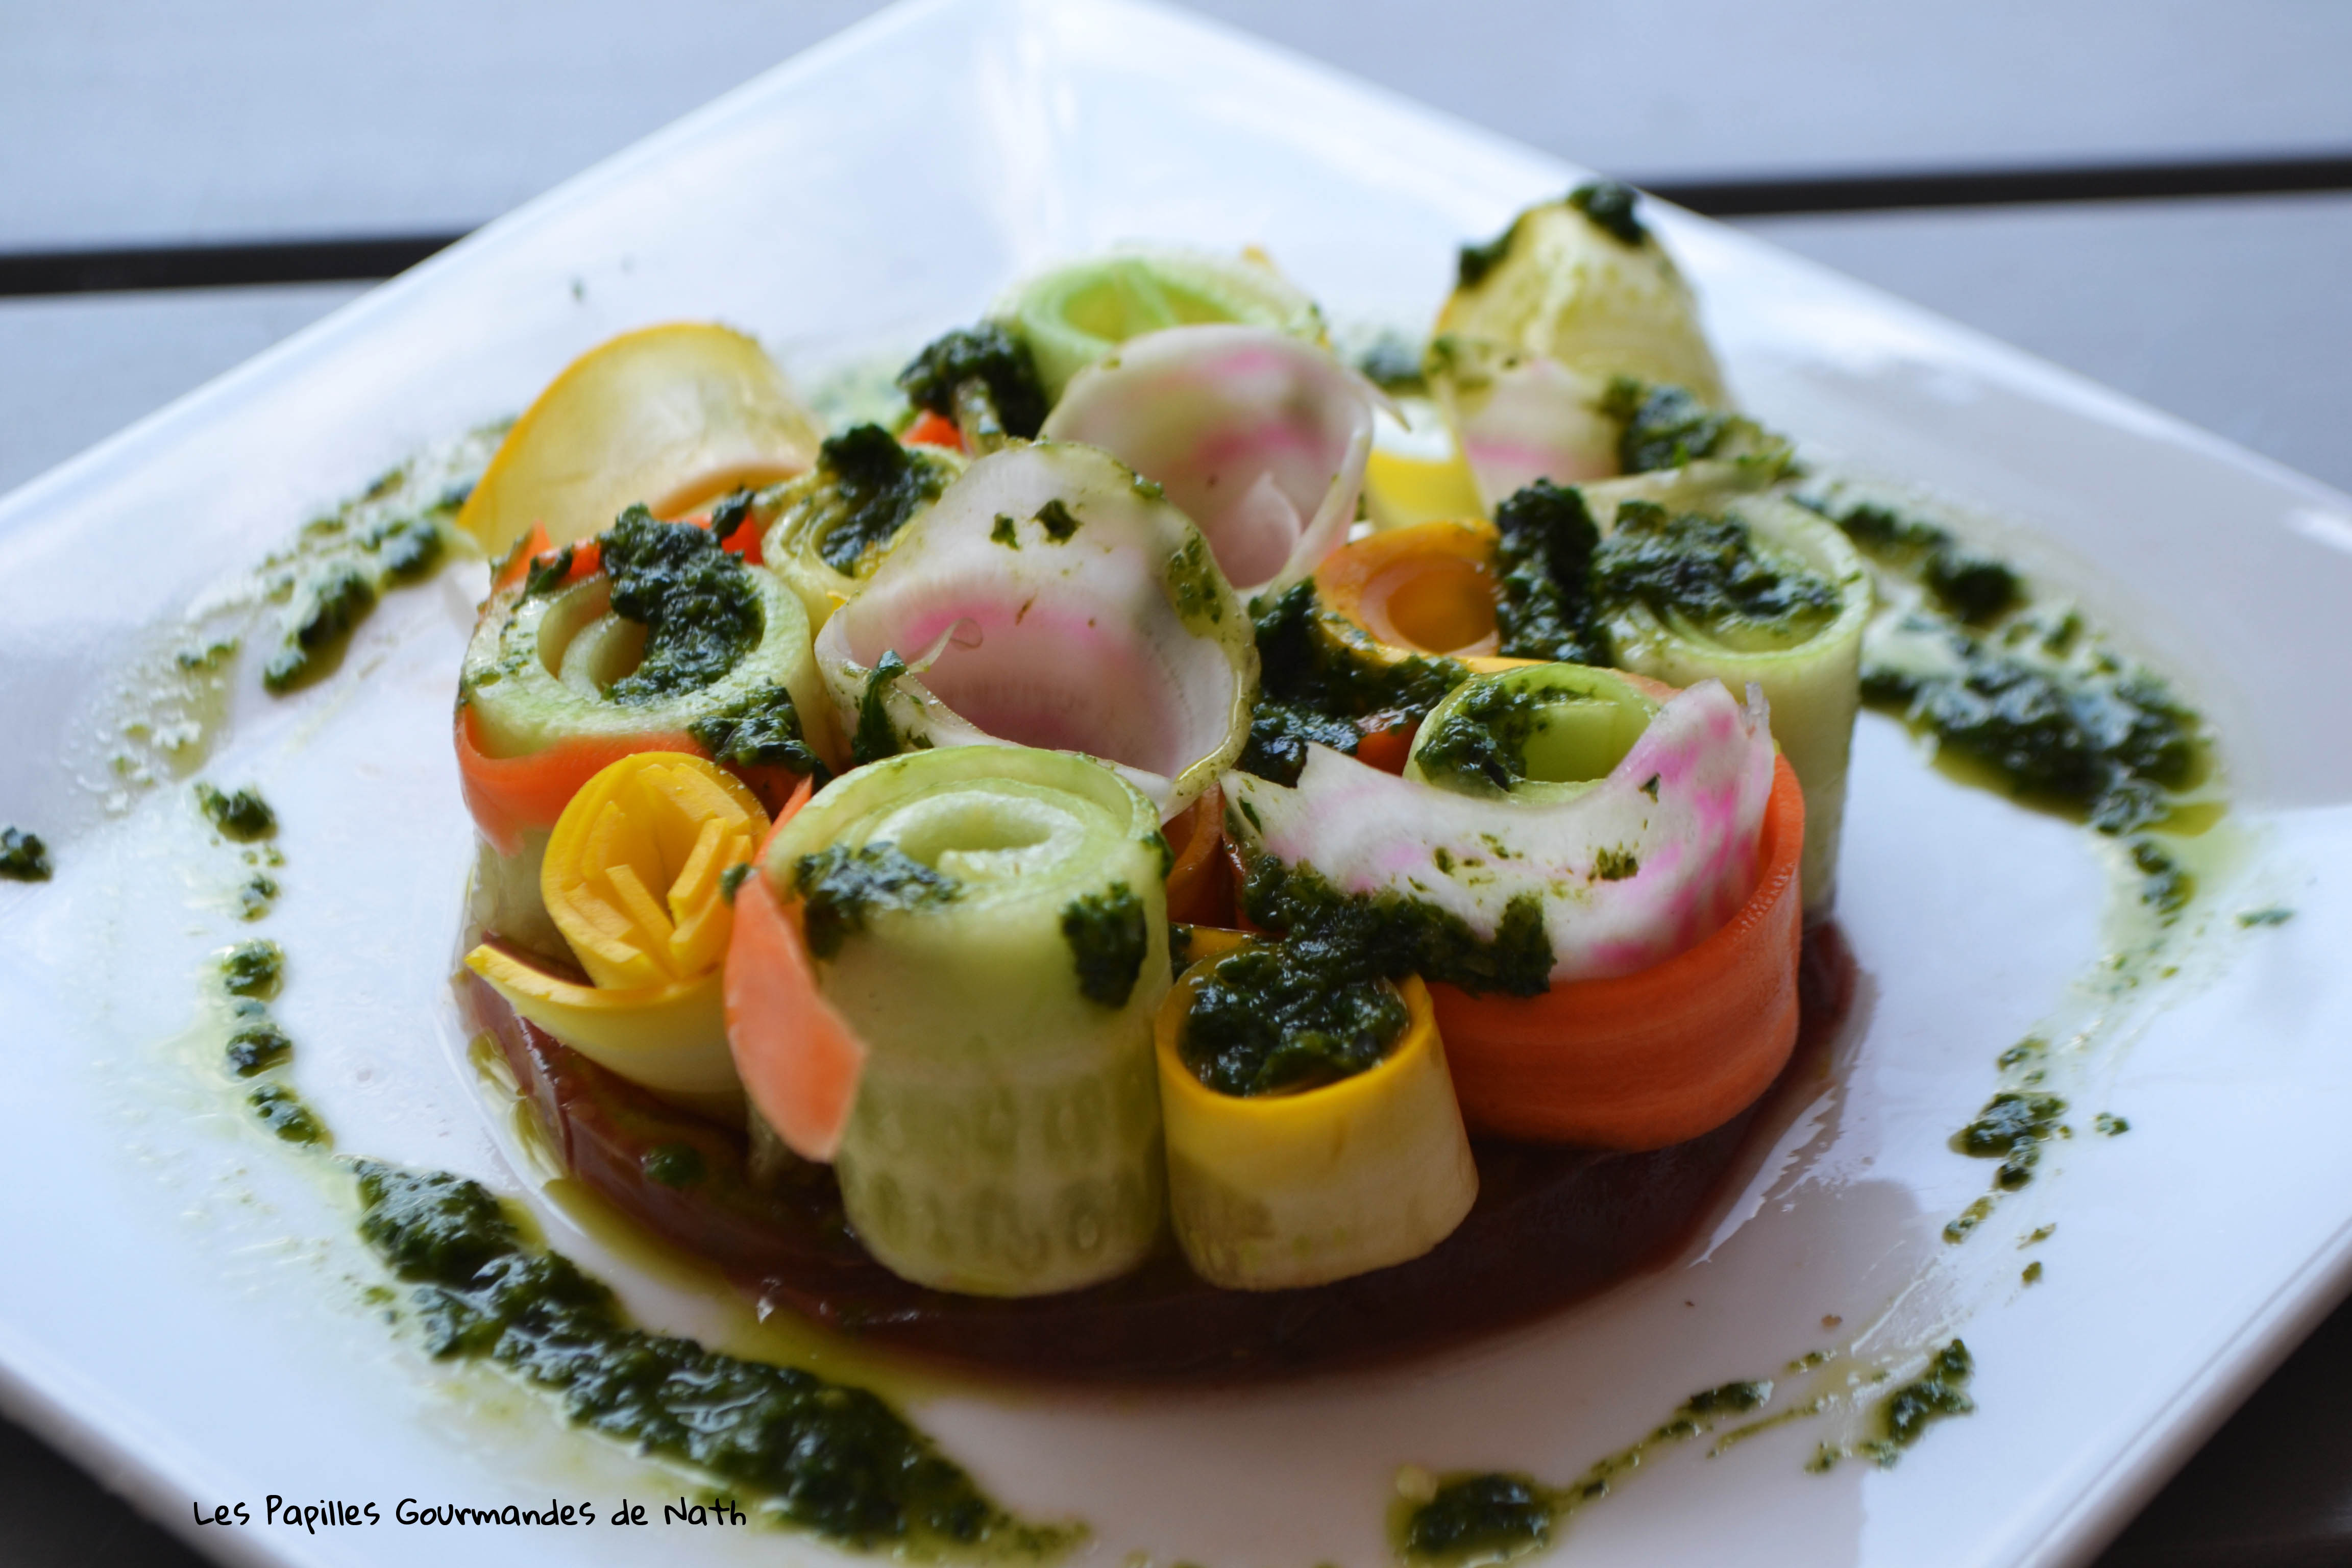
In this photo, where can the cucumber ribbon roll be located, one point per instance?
(1573, 295)
(1048, 598)
(633, 879)
(1696, 583)
(671, 644)
(1260, 438)
(1553, 823)
(1075, 314)
(1311, 1123)
(943, 979)
(827, 530)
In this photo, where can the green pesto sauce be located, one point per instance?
(253, 969)
(867, 486)
(1192, 579)
(763, 730)
(730, 880)
(1612, 209)
(1109, 938)
(1392, 362)
(2108, 1124)
(1484, 739)
(1710, 571)
(1266, 1020)
(1059, 521)
(393, 534)
(1543, 556)
(2275, 915)
(1003, 533)
(2012, 1128)
(2165, 888)
(1387, 935)
(23, 856)
(830, 1457)
(1663, 427)
(1473, 263)
(1315, 686)
(256, 1043)
(986, 360)
(240, 815)
(1494, 1517)
(2021, 688)
(1936, 1394)
(875, 737)
(842, 888)
(695, 600)
(256, 896)
(281, 1111)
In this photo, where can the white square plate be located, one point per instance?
(184, 1307)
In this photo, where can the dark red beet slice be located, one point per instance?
(1551, 1226)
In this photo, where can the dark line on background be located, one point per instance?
(2006, 187)
(216, 266)
(367, 260)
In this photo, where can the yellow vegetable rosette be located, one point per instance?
(633, 878)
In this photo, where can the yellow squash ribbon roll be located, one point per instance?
(635, 880)
(1311, 1124)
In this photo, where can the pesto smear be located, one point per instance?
(1270, 1020)
(1316, 684)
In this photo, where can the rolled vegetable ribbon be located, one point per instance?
(1427, 589)
(1260, 438)
(1513, 887)
(1655, 1058)
(831, 527)
(673, 645)
(1076, 313)
(1049, 598)
(670, 415)
(1275, 1192)
(948, 987)
(1808, 664)
(632, 880)
(1573, 295)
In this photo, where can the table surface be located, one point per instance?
(138, 123)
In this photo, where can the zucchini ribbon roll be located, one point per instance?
(1049, 598)
(1260, 438)
(668, 644)
(1076, 314)
(1574, 296)
(1554, 823)
(1312, 1127)
(1695, 586)
(633, 879)
(943, 979)
(827, 530)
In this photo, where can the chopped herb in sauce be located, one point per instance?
(763, 730)
(257, 895)
(1612, 207)
(2109, 1125)
(842, 888)
(1709, 570)
(984, 369)
(1474, 262)
(23, 856)
(2012, 1128)
(1109, 938)
(241, 814)
(1392, 364)
(868, 486)
(253, 969)
(1544, 555)
(875, 737)
(674, 1165)
(700, 612)
(1315, 686)
(1388, 935)
(1664, 427)
(1485, 737)
(1274, 1020)
(2273, 916)
(833, 1458)
(1936, 1394)
(730, 880)
(1059, 521)
(2164, 886)
(258, 1045)
(281, 1111)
